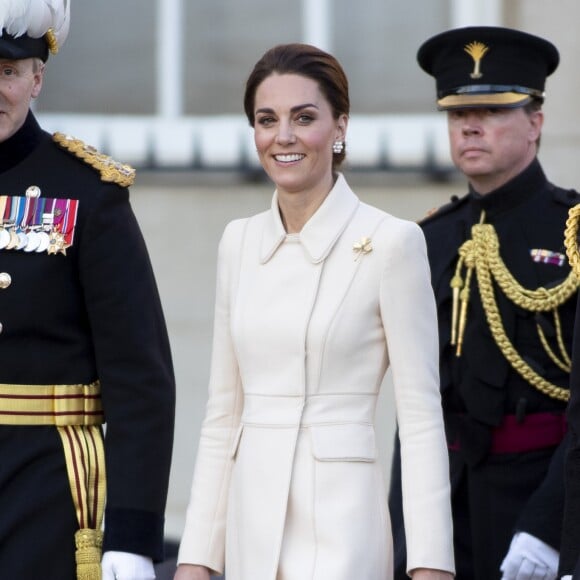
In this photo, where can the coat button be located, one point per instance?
(5, 280)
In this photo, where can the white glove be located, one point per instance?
(529, 559)
(127, 566)
(567, 577)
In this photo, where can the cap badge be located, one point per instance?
(51, 40)
(476, 50)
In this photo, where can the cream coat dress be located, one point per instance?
(287, 483)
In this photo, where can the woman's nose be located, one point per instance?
(285, 134)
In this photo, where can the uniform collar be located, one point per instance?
(512, 194)
(20, 145)
(321, 231)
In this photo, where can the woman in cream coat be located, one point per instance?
(316, 297)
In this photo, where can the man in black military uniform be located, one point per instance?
(82, 342)
(506, 302)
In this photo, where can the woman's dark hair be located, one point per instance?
(307, 61)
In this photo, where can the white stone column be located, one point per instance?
(317, 24)
(169, 53)
(475, 13)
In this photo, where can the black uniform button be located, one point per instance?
(5, 280)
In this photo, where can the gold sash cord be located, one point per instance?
(481, 253)
(571, 239)
(77, 413)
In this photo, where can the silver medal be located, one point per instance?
(4, 238)
(33, 241)
(43, 243)
(22, 240)
(14, 240)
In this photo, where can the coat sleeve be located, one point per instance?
(134, 366)
(410, 323)
(535, 519)
(570, 546)
(203, 540)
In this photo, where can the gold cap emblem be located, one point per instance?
(476, 50)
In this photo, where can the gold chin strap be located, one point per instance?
(571, 239)
(481, 253)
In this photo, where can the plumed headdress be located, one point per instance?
(33, 28)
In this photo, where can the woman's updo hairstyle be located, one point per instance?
(307, 61)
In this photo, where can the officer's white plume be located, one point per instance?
(37, 18)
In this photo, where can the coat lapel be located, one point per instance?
(323, 229)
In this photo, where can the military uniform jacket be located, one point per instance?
(570, 548)
(287, 478)
(480, 387)
(91, 314)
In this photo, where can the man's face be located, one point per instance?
(20, 81)
(493, 145)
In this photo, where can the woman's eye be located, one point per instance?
(304, 118)
(265, 120)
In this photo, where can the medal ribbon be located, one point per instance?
(70, 220)
(48, 215)
(7, 209)
(3, 200)
(59, 213)
(14, 207)
(22, 207)
(28, 213)
(38, 211)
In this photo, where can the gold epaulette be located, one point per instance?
(111, 171)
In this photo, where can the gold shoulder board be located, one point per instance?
(110, 170)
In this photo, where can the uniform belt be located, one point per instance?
(76, 412)
(51, 404)
(536, 431)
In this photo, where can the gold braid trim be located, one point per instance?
(111, 171)
(571, 239)
(482, 254)
(89, 545)
(85, 463)
(540, 300)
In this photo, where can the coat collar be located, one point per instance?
(321, 231)
(512, 194)
(17, 147)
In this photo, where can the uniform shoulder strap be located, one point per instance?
(434, 214)
(111, 171)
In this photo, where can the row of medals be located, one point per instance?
(37, 238)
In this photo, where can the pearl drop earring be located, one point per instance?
(337, 147)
